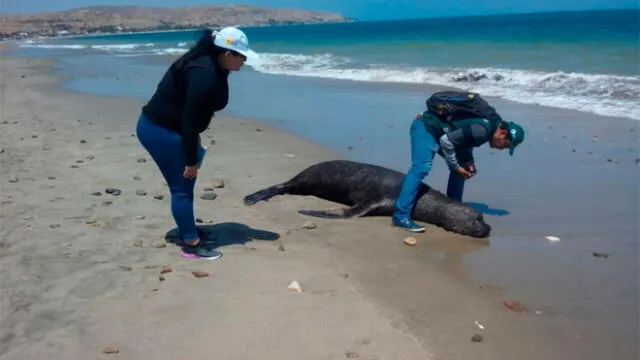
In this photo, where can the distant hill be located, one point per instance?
(138, 18)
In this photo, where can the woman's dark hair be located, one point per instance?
(204, 46)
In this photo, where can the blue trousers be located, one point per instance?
(423, 149)
(165, 148)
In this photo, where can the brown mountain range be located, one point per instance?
(138, 18)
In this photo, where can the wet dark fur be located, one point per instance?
(371, 190)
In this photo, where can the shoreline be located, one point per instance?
(383, 272)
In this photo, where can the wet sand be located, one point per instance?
(85, 269)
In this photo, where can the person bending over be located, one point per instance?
(454, 141)
(192, 89)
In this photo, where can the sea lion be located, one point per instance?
(371, 190)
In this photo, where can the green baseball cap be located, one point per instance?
(516, 135)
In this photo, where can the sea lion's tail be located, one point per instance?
(264, 194)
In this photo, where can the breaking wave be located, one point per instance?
(608, 95)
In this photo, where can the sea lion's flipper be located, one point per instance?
(265, 194)
(352, 212)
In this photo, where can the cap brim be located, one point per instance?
(250, 54)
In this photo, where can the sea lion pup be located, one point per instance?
(371, 190)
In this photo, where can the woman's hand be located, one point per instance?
(190, 172)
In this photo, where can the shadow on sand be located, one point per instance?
(224, 234)
(485, 209)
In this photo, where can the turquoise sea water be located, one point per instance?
(582, 60)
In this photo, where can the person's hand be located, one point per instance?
(464, 173)
(190, 172)
(472, 169)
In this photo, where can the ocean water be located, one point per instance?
(586, 61)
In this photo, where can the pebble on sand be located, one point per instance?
(352, 355)
(13, 179)
(166, 269)
(110, 350)
(113, 191)
(142, 160)
(218, 184)
(295, 287)
(54, 226)
(200, 274)
(158, 197)
(208, 196)
(552, 238)
(96, 193)
(477, 338)
(515, 306)
(141, 192)
(309, 225)
(411, 241)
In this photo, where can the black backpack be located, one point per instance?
(457, 105)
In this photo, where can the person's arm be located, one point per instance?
(463, 138)
(199, 85)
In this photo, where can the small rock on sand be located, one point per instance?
(142, 160)
(218, 184)
(13, 179)
(110, 350)
(51, 177)
(309, 225)
(83, 141)
(141, 192)
(476, 338)
(140, 217)
(125, 268)
(207, 188)
(96, 193)
(90, 157)
(166, 269)
(411, 241)
(600, 255)
(158, 197)
(352, 355)
(137, 178)
(514, 305)
(208, 196)
(113, 191)
(281, 247)
(200, 274)
(54, 226)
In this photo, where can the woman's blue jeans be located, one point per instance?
(423, 149)
(165, 149)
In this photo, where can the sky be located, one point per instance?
(360, 9)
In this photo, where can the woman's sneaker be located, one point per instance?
(200, 251)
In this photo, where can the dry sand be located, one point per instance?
(81, 272)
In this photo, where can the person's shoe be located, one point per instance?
(408, 225)
(201, 251)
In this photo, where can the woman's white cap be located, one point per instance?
(232, 38)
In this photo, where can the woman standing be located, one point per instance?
(192, 89)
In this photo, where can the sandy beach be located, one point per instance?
(86, 270)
